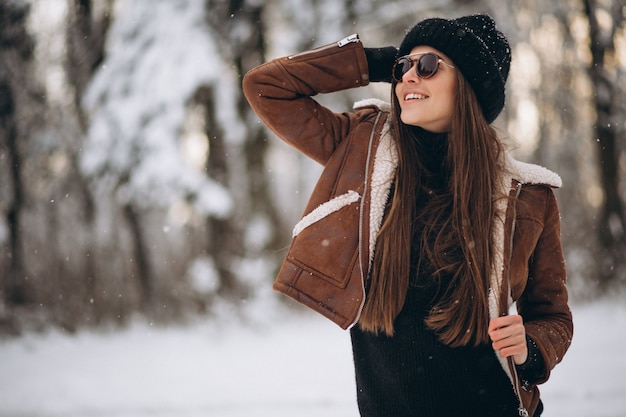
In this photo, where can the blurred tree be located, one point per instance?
(21, 99)
(606, 20)
(238, 161)
(16, 73)
(47, 271)
(552, 113)
(86, 35)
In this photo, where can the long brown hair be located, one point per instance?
(457, 235)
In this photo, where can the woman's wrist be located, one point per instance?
(380, 62)
(534, 368)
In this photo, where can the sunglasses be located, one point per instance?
(427, 65)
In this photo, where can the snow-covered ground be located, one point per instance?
(297, 366)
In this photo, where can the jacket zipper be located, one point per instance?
(354, 38)
(361, 220)
(516, 385)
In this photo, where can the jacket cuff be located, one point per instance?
(534, 369)
(380, 62)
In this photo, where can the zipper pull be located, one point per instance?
(354, 38)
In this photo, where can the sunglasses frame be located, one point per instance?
(415, 64)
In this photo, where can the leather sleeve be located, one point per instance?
(280, 92)
(544, 302)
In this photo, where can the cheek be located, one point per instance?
(452, 94)
(447, 98)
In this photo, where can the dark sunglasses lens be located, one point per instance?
(427, 65)
(403, 65)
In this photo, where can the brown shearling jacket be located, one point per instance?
(329, 258)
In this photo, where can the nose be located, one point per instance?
(411, 75)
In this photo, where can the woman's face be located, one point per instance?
(428, 102)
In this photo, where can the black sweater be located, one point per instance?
(413, 374)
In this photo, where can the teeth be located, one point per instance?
(415, 96)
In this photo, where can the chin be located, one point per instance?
(409, 122)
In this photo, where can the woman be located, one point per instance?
(422, 231)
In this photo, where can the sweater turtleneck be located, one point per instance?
(432, 151)
(430, 140)
(432, 148)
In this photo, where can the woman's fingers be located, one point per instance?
(508, 337)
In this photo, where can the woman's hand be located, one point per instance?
(508, 337)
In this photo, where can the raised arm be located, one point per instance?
(280, 93)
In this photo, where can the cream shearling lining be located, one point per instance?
(326, 209)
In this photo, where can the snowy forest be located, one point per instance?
(136, 180)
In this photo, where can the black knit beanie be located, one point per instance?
(478, 50)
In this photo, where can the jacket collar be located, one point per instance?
(522, 172)
(526, 173)
(373, 102)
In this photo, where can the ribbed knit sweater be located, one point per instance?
(413, 374)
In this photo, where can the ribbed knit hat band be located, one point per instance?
(477, 49)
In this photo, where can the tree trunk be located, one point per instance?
(14, 289)
(16, 47)
(240, 167)
(86, 33)
(612, 221)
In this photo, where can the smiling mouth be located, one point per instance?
(415, 96)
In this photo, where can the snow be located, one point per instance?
(137, 100)
(282, 364)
